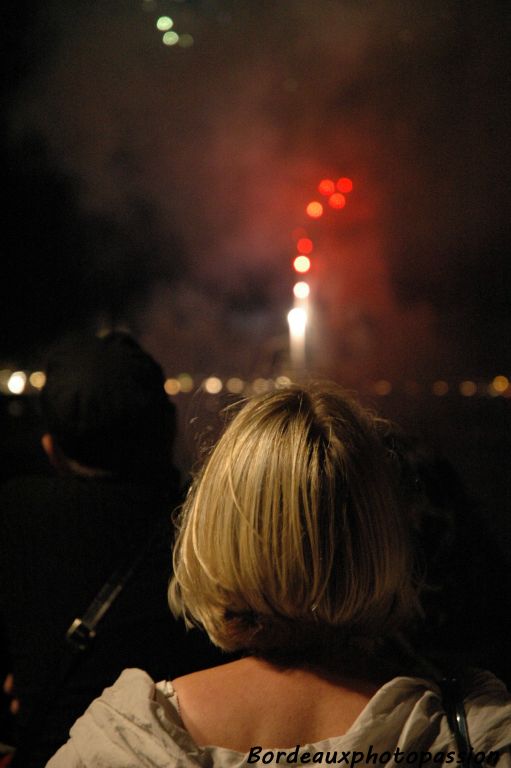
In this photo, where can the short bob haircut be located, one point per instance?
(292, 533)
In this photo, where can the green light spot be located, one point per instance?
(170, 38)
(164, 23)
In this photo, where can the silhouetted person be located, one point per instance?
(464, 582)
(108, 432)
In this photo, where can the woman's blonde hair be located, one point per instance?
(293, 529)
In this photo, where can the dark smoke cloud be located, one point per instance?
(227, 140)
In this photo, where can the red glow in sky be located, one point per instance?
(298, 233)
(305, 245)
(337, 200)
(344, 184)
(326, 187)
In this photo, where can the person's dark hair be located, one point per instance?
(462, 576)
(104, 403)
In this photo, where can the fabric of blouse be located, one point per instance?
(137, 723)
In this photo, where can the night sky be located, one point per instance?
(158, 186)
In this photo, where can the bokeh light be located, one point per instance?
(302, 264)
(164, 23)
(314, 209)
(468, 388)
(170, 38)
(301, 290)
(304, 245)
(337, 201)
(172, 386)
(440, 388)
(500, 384)
(282, 381)
(383, 387)
(213, 385)
(235, 385)
(185, 40)
(185, 382)
(37, 379)
(326, 187)
(16, 383)
(260, 386)
(297, 319)
(344, 184)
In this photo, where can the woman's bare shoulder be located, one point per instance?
(252, 701)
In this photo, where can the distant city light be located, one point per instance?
(185, 382)
(383, 387)
(314, 209)
(37, 379)
(16, 383)
(344, 184)
(282, 381)
(301, 290)
(185, 40)
(260, 386)
(337, 200)
(235, 385)
(440, 388)
(500, 383)
(304, 245)
(468, 388)
(302, 264)
(164, 23)
(213, 385)
(172, 386)
(326, 187)
(170, 38)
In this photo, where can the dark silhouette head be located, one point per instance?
(104, 407)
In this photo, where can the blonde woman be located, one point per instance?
(292, 548)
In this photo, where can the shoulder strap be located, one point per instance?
(79, 637)
(452, 697)
(83, 629)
